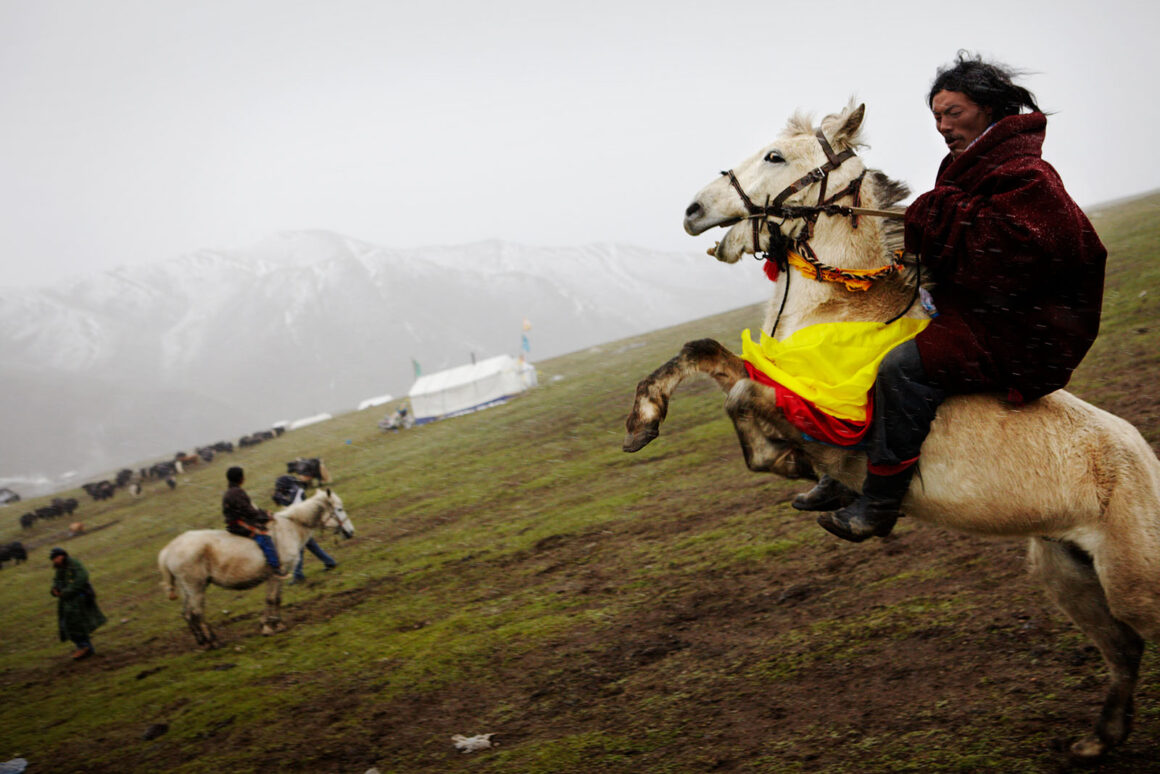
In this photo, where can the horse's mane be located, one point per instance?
(887, 192)
(304, 507)
(800, 123)
(877, 187)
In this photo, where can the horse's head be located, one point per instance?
(334, 515)
(803, 165)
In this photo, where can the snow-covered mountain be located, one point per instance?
(140, 362)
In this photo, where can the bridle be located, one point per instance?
(344, 524)
(854, 279)
(807, 212)
(339, 514)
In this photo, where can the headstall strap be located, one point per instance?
(749, 205)
(822, 272)
(836, 159)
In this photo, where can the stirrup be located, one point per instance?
(866, 518)
(828, 494)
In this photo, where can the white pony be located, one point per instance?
(195, 559)
(1081, 483)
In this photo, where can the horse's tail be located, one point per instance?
(168, 580)
(323, 473)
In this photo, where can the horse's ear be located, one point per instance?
(843, 127)
(328, 492)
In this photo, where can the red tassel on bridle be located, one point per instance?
(771, 270)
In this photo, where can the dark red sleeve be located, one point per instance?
(998, 238)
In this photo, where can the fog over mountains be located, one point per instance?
(137, 363)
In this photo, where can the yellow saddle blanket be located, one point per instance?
(831, 365)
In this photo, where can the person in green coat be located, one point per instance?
(76, 607)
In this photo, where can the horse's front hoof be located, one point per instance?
(634, 442)
(1090, 749)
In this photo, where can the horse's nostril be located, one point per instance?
(692, 210)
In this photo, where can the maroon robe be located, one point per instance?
(1019, 268)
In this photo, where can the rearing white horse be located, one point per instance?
(1080, 482)
(195, 559)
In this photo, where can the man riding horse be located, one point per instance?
(243, 519)
(1018, 271)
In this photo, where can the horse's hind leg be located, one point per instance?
(193, 610)
(1072, 583)
(272, 618)
(651, 403)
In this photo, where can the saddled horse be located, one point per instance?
(195, 559)
(1081, 483)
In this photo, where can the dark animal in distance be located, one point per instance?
(13, 552)
(58, 507)
(186, 459)
(160, 470)
(66, 505)
(256, 438)
(100, 490)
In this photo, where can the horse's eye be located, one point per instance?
(773, 157)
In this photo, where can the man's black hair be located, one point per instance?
(988, 84)
(235, 475)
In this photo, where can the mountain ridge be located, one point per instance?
(304, 322)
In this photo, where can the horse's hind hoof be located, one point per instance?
(1090, 749)
(634, 442)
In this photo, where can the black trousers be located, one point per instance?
(905, 402)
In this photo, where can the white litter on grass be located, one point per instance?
(470, 744)
(14, 766)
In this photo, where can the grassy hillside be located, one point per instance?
(515, 573)
(1120, 372)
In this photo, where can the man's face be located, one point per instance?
(58, 560)
(960, 120)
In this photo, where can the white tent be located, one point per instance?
(372, 402)
(469, 387)
(307, 421)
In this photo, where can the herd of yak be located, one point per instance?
(166, 471)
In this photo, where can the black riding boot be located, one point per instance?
(873, 514)
(828, 495)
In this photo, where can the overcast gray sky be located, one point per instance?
(141, 130)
